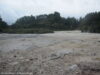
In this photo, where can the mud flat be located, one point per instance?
(59, 53)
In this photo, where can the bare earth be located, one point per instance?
(59, 53)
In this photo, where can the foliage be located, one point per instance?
(28, 30)
(51, 21)
(3, 25)
(91, 23)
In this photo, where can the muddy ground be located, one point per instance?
(59, 53)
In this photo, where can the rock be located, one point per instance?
(73, 70)
(73, 67)
(60, 54)
(14, 63)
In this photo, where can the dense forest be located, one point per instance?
(52, 22)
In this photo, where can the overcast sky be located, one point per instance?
(10, 10)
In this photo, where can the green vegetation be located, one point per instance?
(28, 30)
(91, 23)
(3, 25)
(52, 22)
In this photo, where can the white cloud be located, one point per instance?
(10, 10)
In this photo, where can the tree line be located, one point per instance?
(52, 22)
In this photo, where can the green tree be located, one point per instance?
(3, 25)
(91, 23)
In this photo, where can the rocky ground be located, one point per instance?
(59, 53)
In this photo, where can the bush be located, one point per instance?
(23, 31)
